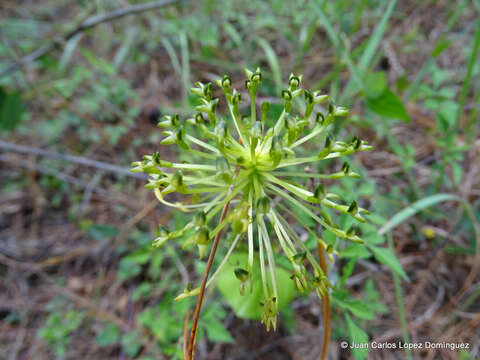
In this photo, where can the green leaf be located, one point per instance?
(357, 336)
(110, 335)
(131, 343)
(387, 257)
(375, 84)
(101, 231)
(411, 210)
(11, 109)
(388, 105)
(358, 308)
(355, 251)
(216, 332)
(248, 305)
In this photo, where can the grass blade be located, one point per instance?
(272, 60)
(414, 208)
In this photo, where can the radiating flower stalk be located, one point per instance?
(251, 166)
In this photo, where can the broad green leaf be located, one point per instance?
(102, 231)
(358, 308)
(375, 84)
(388, 105)
(216, 332)
(387, 257)
(357, 336)
(110, 335)
(355, 251)
(248, 305)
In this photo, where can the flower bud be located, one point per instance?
(276, 150)
(346, 168)
(201, 236)
(179, 138)
(351, 231)
(242, 274)
(257, 76)
(356, 142)
(199, 219)
(353, 208)
(170, 121)
(287, 95)
(264, 109)
(223, 168)
(320, 192)
(240, 218)
(294, 82)
(177, 180)
(256, 130)
(226, 83)
(319, 118)
(327, 149)
(299, 258)
(340, 111)
(236, 97)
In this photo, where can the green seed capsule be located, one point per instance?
(346, 168)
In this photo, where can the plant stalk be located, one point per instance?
(201, 295)
(326, 311)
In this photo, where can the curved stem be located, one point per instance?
(326, 311)
(196, 315)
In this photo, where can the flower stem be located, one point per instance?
(196, 315)
(326, 311)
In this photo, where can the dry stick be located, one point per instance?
(31, 150)
(83, 26)
(326, 312)
(196, 315)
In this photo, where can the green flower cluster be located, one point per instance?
(247, 165)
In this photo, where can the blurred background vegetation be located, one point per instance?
(79, 278)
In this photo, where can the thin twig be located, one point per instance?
(185, 333)
(326, 311)
(31, 150)
(83, 26)
(196, 315)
